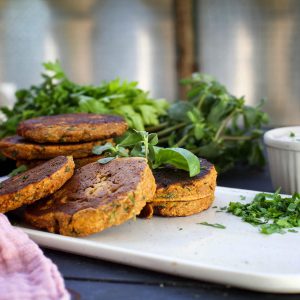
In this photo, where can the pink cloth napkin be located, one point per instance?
(25, 273)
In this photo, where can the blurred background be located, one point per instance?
(251, 46)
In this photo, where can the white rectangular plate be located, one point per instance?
(238, 255)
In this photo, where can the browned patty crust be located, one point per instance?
(176, 185)
(177, 208)
(36, 183)
(15, 147)
(72, 128)
(178, 195)
(79, 162)
(96, 197)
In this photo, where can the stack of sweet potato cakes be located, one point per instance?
(43, 138)
(68, 192)
(67, 201)
(178, 195)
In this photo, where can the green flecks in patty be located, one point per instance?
(14, 153)
(67, 169)
(132, 199)
(168, 196)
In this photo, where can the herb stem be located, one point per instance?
(157, 127)
(224, 124)
(201, 100)
(235, 138)
(170, 129)
(182, 140)
(163, 140)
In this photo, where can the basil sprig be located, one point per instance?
(143, 144)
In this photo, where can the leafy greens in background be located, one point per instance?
(212, 123)
(143, 144)
(58, 95)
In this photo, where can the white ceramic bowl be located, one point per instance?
(283, 147)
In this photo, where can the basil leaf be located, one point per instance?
(105, 160)
(98, 150)
(131, 139)
(153, 139)
(179, 158)
(178, 111)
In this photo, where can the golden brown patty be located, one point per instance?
(15, 147)
(79, 162)
(36, 183)
(177, 194)
(72, 128)
(96, 197)
(176, 185)
(177, 208)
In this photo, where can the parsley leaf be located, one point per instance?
(273, 213)
(58, 95)
(17, 171)
(214, 124)
(216, 225)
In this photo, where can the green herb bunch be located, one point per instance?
(143, 144)
(214, 124)
(58, 95)
(271, 212)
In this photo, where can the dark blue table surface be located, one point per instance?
(89, 278)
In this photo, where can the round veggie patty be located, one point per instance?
(98, 196)
(35, 183)
(17, 148)
(72, 128)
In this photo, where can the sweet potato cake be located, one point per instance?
(177, 194)
(36, 183)
(17, 148)
(97, 197)
(72, 128)
(176, 185)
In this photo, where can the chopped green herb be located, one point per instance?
(292, 230)
(273, 213)
(25, 177)
(292, 134)
(180, 229)
(216, 225)
(67, 169)
(242, 197)
(17, 171)
(215, 206)
(223, 208)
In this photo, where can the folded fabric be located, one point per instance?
(25, 273)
